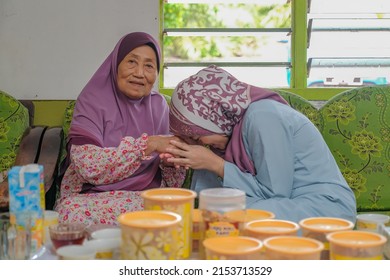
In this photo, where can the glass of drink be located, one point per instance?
(67, 234)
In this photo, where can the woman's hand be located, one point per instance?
(194, 156)
(160, 143)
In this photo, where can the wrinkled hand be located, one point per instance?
(194, 156)
(160, 143)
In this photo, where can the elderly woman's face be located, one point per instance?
(137, 72)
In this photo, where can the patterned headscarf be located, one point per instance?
(214, 102)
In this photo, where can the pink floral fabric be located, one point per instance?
(96, 165)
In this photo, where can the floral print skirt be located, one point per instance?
(98, 208)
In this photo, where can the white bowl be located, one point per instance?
(76, 252)
(106, 233)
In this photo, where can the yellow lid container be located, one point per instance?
(292, 248)
(319, 227)
(179, 201)
(149, 235)
(169, 195)
(197, 229)
(233, 248)
(371, 221)
(257, 214)
(262, 229)
(356, 245)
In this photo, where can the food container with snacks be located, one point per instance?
(262, 229)
(233, 248)
(356, 245)
(292, 248)
(249, 215)
(215, 204)
(197, 230)
(177, 200)
(149, 235)
(385, 231)
(371, 221)
(319, 227)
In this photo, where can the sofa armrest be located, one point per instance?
(49, 156)
(39, 145)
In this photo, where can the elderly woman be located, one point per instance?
(245, 137)
(119, 126)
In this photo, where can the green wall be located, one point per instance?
(49, 112)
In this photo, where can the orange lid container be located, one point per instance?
(292, 248)
(356, 245)
(233, 248)
(262, 229)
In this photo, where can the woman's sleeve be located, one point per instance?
(98, 165)
(268, 141)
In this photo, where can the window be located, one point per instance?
(315, 48)
(347, 43)
(250, 39)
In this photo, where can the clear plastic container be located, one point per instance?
(292, 248)
(233, 248)
(319, 227)
(215, 205)
(356, 245)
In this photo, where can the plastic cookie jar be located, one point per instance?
(215, 205)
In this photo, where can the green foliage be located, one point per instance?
(196, 48)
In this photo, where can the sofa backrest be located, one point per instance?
(14, 120)
(357, 131)
(356, 126)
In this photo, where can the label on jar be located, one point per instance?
(221, 229)
(218, 224)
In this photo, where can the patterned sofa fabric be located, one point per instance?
(356, 126)
(304, 106)
(357, 131)
(14, 120)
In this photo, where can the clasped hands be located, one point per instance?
(180, 154)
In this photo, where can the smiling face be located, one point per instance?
(137, 72)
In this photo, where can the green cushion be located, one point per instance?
(357, 131)
(304, 106)
(66, 126)
(14, 120)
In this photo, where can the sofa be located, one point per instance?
(21, 143)
(356, 126)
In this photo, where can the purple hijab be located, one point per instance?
(103, 115)
(214, 102)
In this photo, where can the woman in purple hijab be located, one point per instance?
(119, 126)
(256, 143)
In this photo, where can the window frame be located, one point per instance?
(299, 71)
